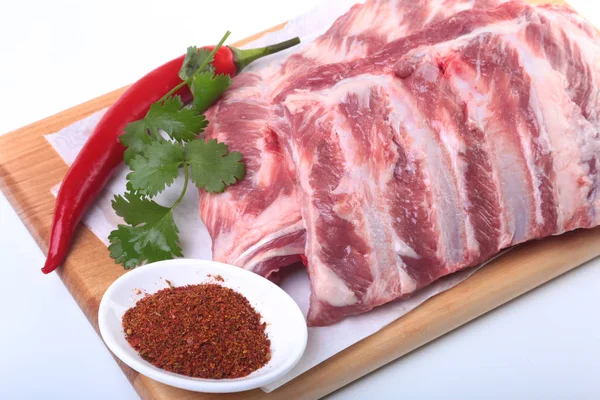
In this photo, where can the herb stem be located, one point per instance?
(172, 91)
(207, 61)
(185, 185)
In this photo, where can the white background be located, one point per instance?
(54, 55)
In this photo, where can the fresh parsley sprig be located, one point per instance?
(157, 147)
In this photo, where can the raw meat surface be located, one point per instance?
(472, 135)
(257, 224)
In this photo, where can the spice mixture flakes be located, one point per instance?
(203, 331)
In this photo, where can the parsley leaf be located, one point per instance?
(199, 60)
(153, 235)
(212, 167)
(136, 210)
(179, 123)
(182, 124)
(135, 138)
(156, 168)
(194, 59)
(135, 245)
(207, 87)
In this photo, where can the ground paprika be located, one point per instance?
(204, 331)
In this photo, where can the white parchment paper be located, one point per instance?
(322, 342)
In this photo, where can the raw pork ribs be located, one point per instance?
(411, 140)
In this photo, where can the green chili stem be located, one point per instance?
(244, 57)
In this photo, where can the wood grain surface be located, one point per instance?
(29, 167)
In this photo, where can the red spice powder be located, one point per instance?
(216, 277)
(204, 331)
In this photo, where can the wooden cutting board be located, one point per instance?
(29, 167)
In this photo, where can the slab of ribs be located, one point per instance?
(409, 141)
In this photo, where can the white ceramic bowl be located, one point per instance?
(286, 327)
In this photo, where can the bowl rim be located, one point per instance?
(182, 381)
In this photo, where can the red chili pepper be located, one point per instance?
(102, 153)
